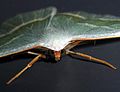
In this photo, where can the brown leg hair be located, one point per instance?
(91, 58)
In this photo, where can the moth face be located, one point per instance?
(53, 56)
(57, 55)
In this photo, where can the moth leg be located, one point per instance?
(75, 43)
(32, 53)
(71, 45)
(28, 66)
(91, 58)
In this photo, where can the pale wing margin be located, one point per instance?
(19, 33)
(92, 26)
(98, 32)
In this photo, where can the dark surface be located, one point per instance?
(69, 75)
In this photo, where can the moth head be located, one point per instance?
(57, 55)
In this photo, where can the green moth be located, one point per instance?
(59, 32)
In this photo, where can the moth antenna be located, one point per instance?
(92, 58)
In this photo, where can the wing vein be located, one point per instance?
(13, 39)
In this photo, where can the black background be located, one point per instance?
(69, 75)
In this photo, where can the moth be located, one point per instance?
(55, 31)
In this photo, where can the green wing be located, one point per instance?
(54, 31)
(22, 32)
(84, 26)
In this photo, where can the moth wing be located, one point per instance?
(23, 31)
(84, 26)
